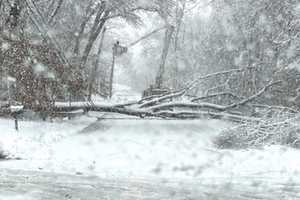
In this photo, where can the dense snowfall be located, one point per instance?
(149, 99)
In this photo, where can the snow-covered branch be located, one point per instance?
(251, 98)
(230, 94)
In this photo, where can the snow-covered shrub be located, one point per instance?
(279, 129)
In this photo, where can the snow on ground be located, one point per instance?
(127, 147)
(135, 148)
(140, 149)
(121, 94)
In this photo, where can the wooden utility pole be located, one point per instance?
(117, 50)
(112, 71)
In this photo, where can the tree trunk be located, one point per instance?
(54, 13)
(89, 14)
(96, 29)
(95, 69)
(167, 41)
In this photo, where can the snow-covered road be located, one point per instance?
(26, 185)
(143, 159)
(109, 148)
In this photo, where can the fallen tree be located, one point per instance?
(282, 128)
(162, 107)
(174, 105)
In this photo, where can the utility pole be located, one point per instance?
(112, 70)
(117, 50)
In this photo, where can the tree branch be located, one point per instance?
(251, 98)
(54, 13)
(215, 95)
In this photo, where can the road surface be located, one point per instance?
(159, 160)
(25, 185)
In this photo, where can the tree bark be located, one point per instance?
(167, 41)
(88, 15)
(95, 31)
(54, 13)
(95, 68)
